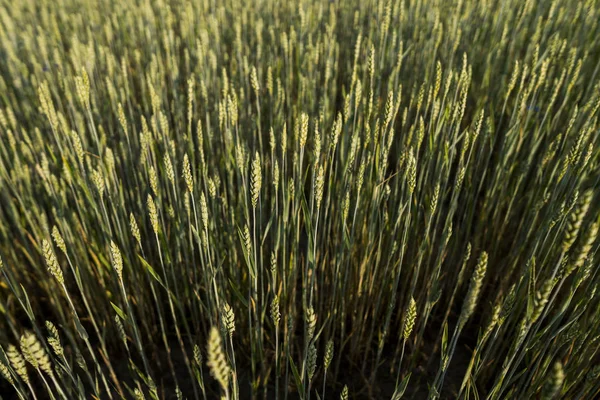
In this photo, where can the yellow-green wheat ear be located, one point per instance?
(5, 372)
(540, 300)
(217, 362)
(256, 180)
(51, 261)
(229, 319)
(58, 239)
(554, 382)
(197, 356)
(311, 322)
(54, 339)
(139, 395)
(17, 362)
(411, 316)
(34, 353)
(328, 354)
(275, 313)
(117, 259)
(576, 219)
(344, 394)
(474, 288)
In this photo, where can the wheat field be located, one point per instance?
(262, 199)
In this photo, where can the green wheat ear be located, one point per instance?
(474, 288)
(328, 354)
(554, 383)
(576, 219)
(217, 363)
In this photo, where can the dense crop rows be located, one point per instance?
(315, 199)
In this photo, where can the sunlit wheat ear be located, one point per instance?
(434, 199)
(554, 382)
(474, 288)
(54, 339)
(169, 168)
(58, 240)
(410, 318)
(4, 371)
(319, 184)
(187, 174)
(576, 219)
(311, 323)
(139, 395)
(122, 119)
(275, 314)
(540, 300)
(411, 172)
(135, 230)
(98, 180)
(17, 362)
(254, 81)
(229, 319)
(344, 394)
(216, 359)
(153, 213)
(303, 129)
(117, 259)
(586, 246)
(153, 180)
(34, 353)
(82, 84)
(256, 180)
(328, 354)
(51, 262)
(197, 356)
(276, 175)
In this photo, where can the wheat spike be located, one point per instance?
(17, 362)
(410, 318)
(576, 219)
(34, 353)
(135, 230)
(229, 319)
(58, 239)
(328, 354)
(51, 261)
(187, 174)
(275, 314)
(311, 321)
(153, 214)
(54, 339)
(256, 180)
(117, 259)
(216, 359)
(474, 288)
(5, 372)
(344, 394)
(554, 382)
